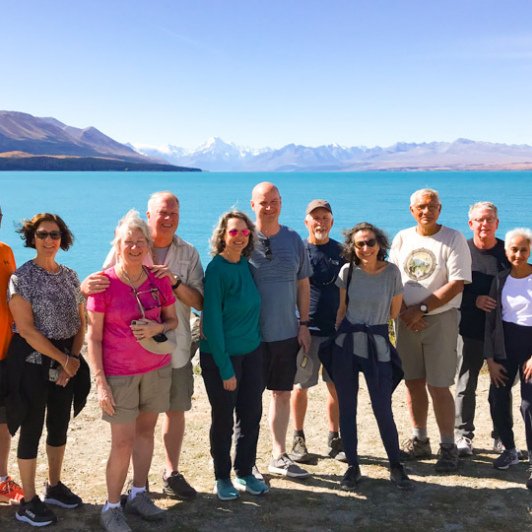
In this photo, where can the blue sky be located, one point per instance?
(271, 73)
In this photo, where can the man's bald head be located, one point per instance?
(266, 204)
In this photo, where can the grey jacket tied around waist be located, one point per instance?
(329, 349)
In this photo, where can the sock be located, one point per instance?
(421, 434)
(299, 433)
(109, 505)
(135, 491)
(447, 440)
(3, 479)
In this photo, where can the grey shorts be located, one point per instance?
(316, 364)
(182, 389)
(149, 392)
(431, 353)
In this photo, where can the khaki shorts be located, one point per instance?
(431, 353)
(316, 364)
(149, 392)
(182, 389)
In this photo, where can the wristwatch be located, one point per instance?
(423, 307)
(177, 282)
(304, 323)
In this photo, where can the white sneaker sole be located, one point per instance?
(285, 473)
(244, 488)
(56, 502)
(25, 519)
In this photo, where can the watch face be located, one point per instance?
(423, 308)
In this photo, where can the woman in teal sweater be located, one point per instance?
(231, 357)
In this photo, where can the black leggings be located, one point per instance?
(43, 396)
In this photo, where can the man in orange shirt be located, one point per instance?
(10, 491)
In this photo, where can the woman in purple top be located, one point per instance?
(133, 383)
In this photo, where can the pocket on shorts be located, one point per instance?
(165, 373)
(118, 381)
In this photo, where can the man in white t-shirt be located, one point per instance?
(435, 263)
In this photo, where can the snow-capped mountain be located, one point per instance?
(462, 154)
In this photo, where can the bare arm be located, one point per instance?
(395, 307)
(342, 309)
(188, 295)
(95, 337)
(94, 284)
(303, 305)
(23, 316)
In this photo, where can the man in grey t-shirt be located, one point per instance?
(281, 269)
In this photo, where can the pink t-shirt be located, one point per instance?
(121, 353)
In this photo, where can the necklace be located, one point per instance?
(129, 279)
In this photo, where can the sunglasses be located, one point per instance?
(234, 232)
(361, 243)
(54, 235)
(268, 249)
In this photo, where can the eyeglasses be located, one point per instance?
(243, 232)
(152, 298)
(432, 207)
(488, 220)
(138, 243)
(268, 249)
(361, 243)
(54, 235)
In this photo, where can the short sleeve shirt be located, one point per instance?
(277, 264)
(54, 299)
(370, 300)
(7, 267)
(427, 263)
(121, 353)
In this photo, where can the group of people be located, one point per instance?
(275, 308)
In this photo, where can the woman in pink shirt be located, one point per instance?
(133, 382)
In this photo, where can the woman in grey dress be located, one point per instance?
(371, 293)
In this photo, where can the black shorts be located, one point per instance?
(279, 363)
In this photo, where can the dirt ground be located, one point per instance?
(478, 498)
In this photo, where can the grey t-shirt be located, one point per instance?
(370, 299)
(277, 264)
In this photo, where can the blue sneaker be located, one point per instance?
(251, 485)
(225, 490)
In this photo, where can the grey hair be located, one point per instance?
(162, 194)
(129, 223)
(483, 206)
(424, 192)
(518, 231)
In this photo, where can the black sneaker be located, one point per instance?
(176, 486)
(399, 477)
(335, 449)
(35, 513)
(299, 452)
(62, 496)
(529, 481)
(351, 478)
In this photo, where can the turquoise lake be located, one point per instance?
(91, 203)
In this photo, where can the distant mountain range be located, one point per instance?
(462, 154)
(31, 143)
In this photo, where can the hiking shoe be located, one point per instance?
(285, 466)
(176, 486)
(447, 459)
(399, 477)
(10, 491)
(61, 496)
(256, 473)
(144, 507)
(113, 520)
(225, 490)
(529, 481)
(299, 452)
(464, 446)
(415, 449)
(35, 512)
(351, 478)
(251, 485)
(335, 449)
(507, 459)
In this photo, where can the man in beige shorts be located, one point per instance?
(435, 263)
(179, 261)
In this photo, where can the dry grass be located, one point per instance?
(479, 498)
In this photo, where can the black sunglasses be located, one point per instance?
(268, 251)
(54, 235)
(370, 243)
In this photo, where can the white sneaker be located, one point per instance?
(465, 446)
